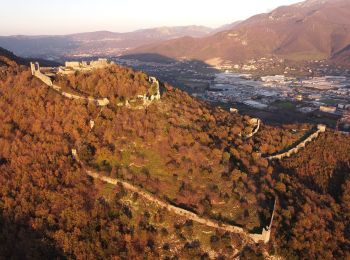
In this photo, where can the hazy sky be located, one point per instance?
(70, 16)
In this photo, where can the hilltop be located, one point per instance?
(311, 30)
(179, 150)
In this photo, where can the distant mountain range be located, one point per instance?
(95, 43)
(311, 30)
(225, 27)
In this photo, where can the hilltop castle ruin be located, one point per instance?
(72, 66)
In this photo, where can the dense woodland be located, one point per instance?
(272, 139)
(314, 191)
(181, 150)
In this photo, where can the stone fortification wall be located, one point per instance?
(266, 233)
(263, 237)
(256, 123)
(35, 68)
(71, 96)
(147, 99)
(296, 149)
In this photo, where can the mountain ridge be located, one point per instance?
(303, 31)
(94, 43)
(8, 58)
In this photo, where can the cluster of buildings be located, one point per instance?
(259, 66)
(275, 65)
(240, 88)
(343, 123)
(330, 94)
(301, 88)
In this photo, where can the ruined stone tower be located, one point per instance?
(34, 67)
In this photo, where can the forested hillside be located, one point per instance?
(178, 149)
(7, 58)
(314, 189)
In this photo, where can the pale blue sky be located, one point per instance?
(70, 16)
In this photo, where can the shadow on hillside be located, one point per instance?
(195, 77)
(340, 174)
(320, 182)
(192, 76)
(150, 57)
(19, 241)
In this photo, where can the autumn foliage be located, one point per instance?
(179, 149)
(115, 82)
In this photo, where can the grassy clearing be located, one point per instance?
(286, 105)
(330, 102)
(107, 191)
